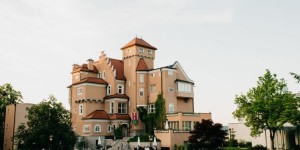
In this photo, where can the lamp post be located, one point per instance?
(50, 139)
(150, 140)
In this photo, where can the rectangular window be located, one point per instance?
(103, 74)
(99, 75)
(141, 50)
(141, 76)
(171, 89)
(141, 92)
(151, 108)
(111, 107)
(80, 109)
(187, 125)
(122, 108)
(171, 108)
(170, 72)
(79, 91)
(120, 89)
(86, 128)
(174, 125)
(152, 88)
(149, 52)
(184, 87)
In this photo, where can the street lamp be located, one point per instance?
(150, 139)
(50, 139)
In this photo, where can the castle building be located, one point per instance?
(108, 92)
(14, 117)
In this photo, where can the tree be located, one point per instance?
(160, 111)
(48, 127)
(7, 96)
(268, 106)
(296, 120)
(207, 135)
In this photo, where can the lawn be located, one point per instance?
(235, 148)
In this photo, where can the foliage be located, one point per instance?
(160, 111)
(231, 143)
(267, 106)
(207, 135)
(259, 147)
(118, 132)
(296, 76)
(8, 96)
(48, 126)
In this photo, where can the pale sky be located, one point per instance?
(223, 45)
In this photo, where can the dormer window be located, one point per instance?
(99, 75)
(120, 89)
(108, 90)
(149, 52)
(141, 50)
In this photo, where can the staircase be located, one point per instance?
(120, 144)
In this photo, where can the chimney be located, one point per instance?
(90, 64)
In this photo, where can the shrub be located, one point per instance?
(259, 147)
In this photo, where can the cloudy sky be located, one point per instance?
(223, 45)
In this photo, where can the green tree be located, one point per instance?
(207, 135)
(7, 96)
(48, 127)
(269, 105)
(160, 111)
(296, 120)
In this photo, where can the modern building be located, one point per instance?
(15, 116)
(107, 93)
(285, 138)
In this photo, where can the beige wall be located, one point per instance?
(169, 138)
(15, 116)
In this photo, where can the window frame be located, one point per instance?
(122, 107)
(111, 108)
(149, 52)
(80, 109)
(97, 125)
(141, 78)
(86, 126)
(121, 87)
(141, 92)
(151, 108)
(79, 91)
(141, 50)
(108, 90)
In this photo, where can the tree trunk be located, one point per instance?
(272, 136)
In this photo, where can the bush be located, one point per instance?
(259, 147)
(231, 143)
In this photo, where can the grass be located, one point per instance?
(235, 148)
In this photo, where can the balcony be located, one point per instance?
(184, 94)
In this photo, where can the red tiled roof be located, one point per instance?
(92, 80)
(84, 67)
(118, 65)
(139, 42)
(116, 96)
(119, 117)
(97, 114)
(142, 65)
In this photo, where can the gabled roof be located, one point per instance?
(124, 96)
(97, 114)
(139, 42)
(142, 66)
(84, 67)
(118, 65)
(92, 80)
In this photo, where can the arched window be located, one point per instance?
(108, 90)
(86, 128)
(120, 89)
(97, 128)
